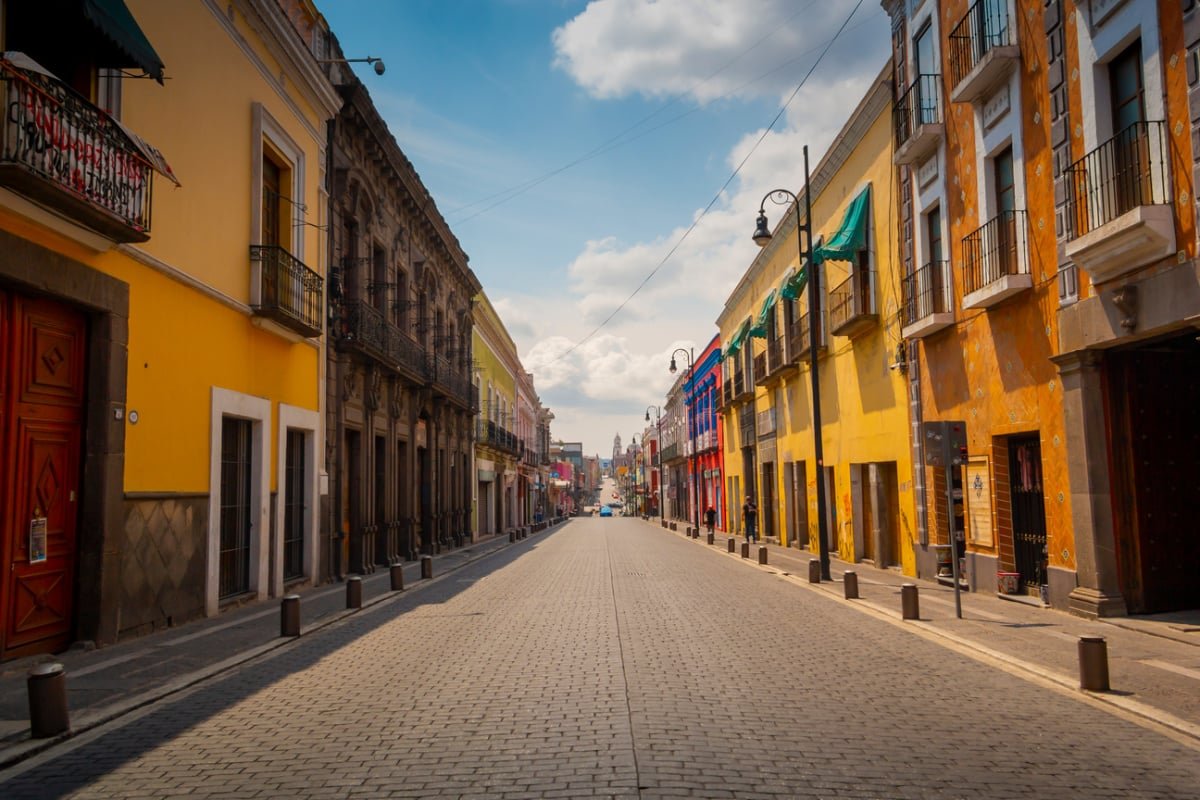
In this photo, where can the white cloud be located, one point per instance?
(670, 47)
(702, 49)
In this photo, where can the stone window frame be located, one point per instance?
(268, 136)
(257, 410)
(1097, 45)
(307, 421)
(990, 142)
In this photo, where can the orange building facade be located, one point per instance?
(1047, 232)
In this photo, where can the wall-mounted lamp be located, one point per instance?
(378, 62)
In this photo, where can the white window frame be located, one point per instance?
(266, 129)
(228, 403)
(1097, 46)
(989, 143)
(293, 418)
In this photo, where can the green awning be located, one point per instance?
(851, 235)
(759, 329)
(738, 338)
(129, 46)
(793, 283)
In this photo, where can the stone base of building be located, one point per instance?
(1093, 603)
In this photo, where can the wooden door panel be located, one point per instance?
(47, 471)
(44, 346)
(51, 346)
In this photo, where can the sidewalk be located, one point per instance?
(106, 683)
(1153, 661)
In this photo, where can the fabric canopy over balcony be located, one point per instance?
(759, 329)
(794, 282)
(129, 46)
(738, 338)
(851, 235)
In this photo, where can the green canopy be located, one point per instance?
(759, 329)
(735, 342)
(851, 235)
(794, 282)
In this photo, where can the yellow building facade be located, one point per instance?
(179, 330)
(767, 380)
(497, 448)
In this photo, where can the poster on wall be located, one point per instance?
(979, 502)
(37, 540)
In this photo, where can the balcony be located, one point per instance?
(983, 51)
(760, 369)
(918, 120)
(805, 335)
(1118, 204)
(852, 307)
(490, 434)
(928, 301)
(780, 361)
(671, 453)
(996, 261)
(59, 150)
(285, 291)
(404, 353)
(449, 382)
(364, 330)
(742, 389)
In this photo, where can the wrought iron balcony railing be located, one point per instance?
(363, 328)
(805, 339)
(288, 292)
(852, 304)
(927, 292)
(1127, 171)
(450, 381)
(62, 151)
(996, 251)
(760, 368)
(918, 118)
(493, 435)
(982, 37)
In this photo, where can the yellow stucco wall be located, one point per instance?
(863, 401)
(194, 331)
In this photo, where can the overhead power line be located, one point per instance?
(737, 170)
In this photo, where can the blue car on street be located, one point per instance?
(605, 511)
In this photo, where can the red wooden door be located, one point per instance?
(41, 430)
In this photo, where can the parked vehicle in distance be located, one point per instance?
(605, 511)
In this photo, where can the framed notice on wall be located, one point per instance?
(978, 489)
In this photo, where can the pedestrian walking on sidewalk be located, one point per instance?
(710, 518)
(750, 516)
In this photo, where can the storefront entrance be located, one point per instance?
(43, 346)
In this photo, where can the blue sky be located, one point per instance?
(502, 106)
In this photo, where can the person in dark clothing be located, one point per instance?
(710, 518)
(750, 516)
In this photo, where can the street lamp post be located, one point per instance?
(658, 447)
(691, 426)
(762, 236)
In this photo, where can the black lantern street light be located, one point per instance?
(762, 236)
(658, 447)
(690, 423)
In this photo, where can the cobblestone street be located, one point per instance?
(610, 658)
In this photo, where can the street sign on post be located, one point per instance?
(946, 446)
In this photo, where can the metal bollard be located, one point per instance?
(850, 584)
(289, 616)
(745, 549)
(354, 592)
(910, 603)
(732, 544)
(512, 536)
(47, 686)
(711, 537)
(426, 567)
(762, 554)
(814, 570)
(1093, 663)
(397, 577)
